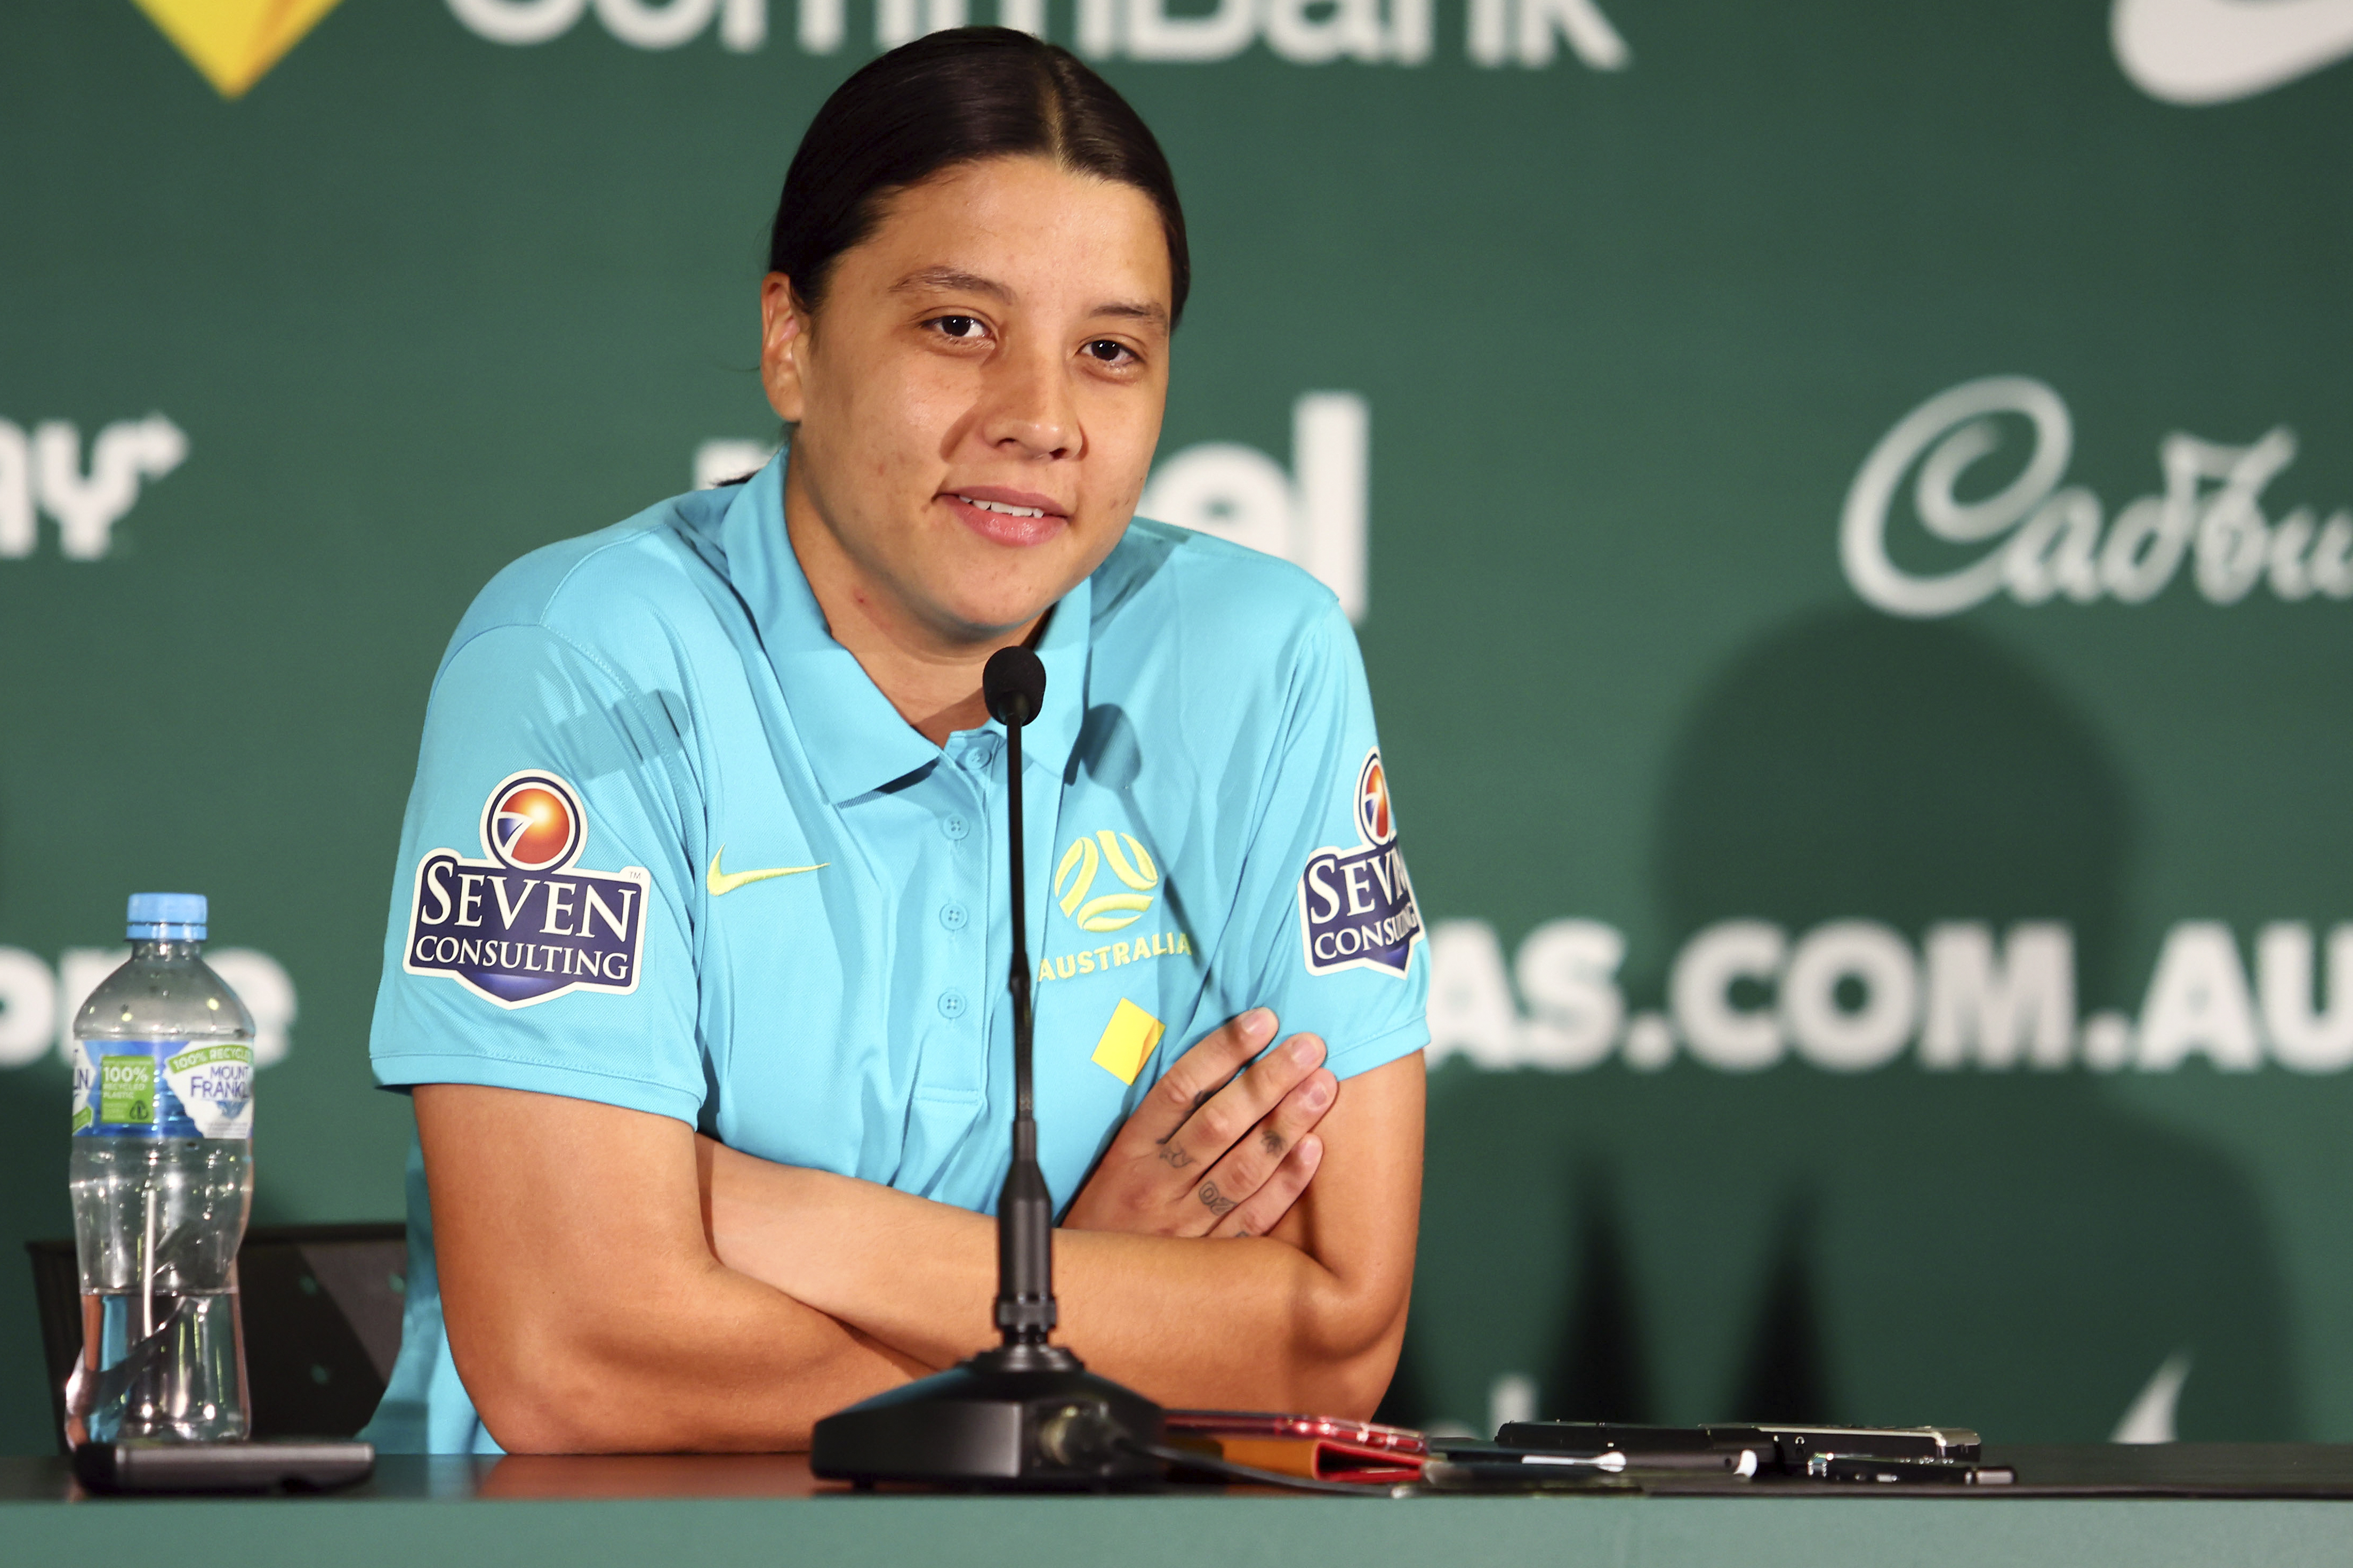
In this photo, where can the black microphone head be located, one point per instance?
(1013, 684)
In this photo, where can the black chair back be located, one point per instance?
(321, 1305)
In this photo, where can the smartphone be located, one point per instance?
(117, 1468)
(1325, 1428)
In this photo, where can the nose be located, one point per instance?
(1029, 410)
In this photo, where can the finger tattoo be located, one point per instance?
(1272, 1139)
(1176, 1158)
(1216, 1202)
(1199, 1100)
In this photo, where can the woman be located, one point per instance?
(696, 966)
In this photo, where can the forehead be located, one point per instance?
(1042, 230)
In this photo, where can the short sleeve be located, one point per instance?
(540, 934)
(1327, 928)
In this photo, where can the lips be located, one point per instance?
(1013, 518)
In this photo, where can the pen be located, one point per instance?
(1504, 1463)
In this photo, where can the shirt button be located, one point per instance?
(951, 1003)
(980, 754)
(955, 827)
(952, 916)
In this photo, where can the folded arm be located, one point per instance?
(585, 1310)
(611, 1282)
(1309, 1316)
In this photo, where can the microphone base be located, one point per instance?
(1018, 1417)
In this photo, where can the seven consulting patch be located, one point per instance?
(1357, 908)
(525, 925)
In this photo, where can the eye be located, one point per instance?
(961, 328)
(1106, 352)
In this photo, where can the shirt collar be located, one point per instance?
(855, 740)
(1047, 739)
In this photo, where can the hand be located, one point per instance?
(1212, 1154)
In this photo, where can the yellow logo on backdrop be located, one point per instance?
(234, 42)
(1075, 877)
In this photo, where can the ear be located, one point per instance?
(784, 339)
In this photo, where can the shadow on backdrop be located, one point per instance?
(35, 1107)
(1600, 1369)
(2006, 1249)
(1786, 1378)
(1408, 1402)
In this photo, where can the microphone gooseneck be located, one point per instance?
(1024, 1413)
(1013, 685)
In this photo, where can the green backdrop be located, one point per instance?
(1862, 678)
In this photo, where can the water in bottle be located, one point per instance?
(162, 1177)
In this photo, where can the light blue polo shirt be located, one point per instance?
(670, 850)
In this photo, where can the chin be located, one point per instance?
(991, 615)
(1010, 595)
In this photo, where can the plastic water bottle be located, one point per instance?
(163, 1178)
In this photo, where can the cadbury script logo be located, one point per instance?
(2037, 540)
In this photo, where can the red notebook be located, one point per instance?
(1322, 1448)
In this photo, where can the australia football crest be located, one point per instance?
(1357, 908)
(525, 924)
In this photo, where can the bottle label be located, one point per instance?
(163, 1089)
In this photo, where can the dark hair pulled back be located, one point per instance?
(958, 96)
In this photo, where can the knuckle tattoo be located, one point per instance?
(1192, 1103)
(1176, 1158)
(1214, 1200)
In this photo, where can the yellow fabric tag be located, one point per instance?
(1127, 1041)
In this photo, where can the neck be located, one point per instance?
(930, 674)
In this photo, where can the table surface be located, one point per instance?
(2185, 1503)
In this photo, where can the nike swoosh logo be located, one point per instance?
(2216, 51)
(721, 882)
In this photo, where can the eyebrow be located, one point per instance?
(1152, 314)
(950, 280)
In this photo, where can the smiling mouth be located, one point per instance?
(1009, 524)
(1006, 508)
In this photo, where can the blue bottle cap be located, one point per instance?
(167, 917)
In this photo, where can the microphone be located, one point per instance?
(1013, 684)
(1025, 1413)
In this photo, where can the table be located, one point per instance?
(767, 1509)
